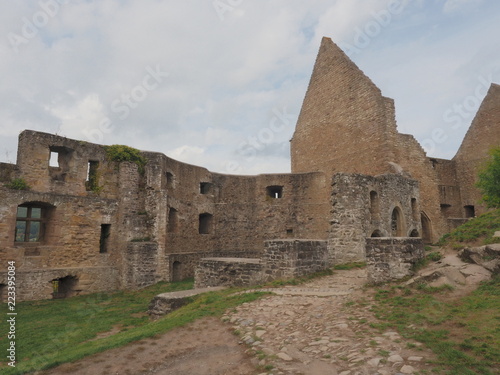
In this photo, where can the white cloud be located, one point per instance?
(454, 6)
(225, 77)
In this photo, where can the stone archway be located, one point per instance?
(426, 228)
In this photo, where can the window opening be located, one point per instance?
(470, 211)
(170, 180)
(414, 233)
(275, 192)
(30, 223)
(376, 233)
(92, 178)
(104, 239)
(54, 159)
(205, 187)
(205, 223)
(414, 209)
(397, 223)
(64, 287)
(426, 228)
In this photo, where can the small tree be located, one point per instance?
(489, 180)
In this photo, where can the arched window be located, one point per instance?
(414, 233)
(426, 228)
(377, 233)
(397, 226)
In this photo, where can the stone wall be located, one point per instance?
(363, 206)
(284, 259)
(391, 259)
(227, 272)
(37, 284)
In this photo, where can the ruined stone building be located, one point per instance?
(93, 224)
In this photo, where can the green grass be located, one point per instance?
(464, 334)
(479, 229)
(52, 332)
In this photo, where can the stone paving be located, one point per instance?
(322, 327)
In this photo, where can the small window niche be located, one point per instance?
(470, 211)
(414, 209)
(374, 205)
(205, 223)
(289, 232)
(64, 287)
(170, 180)
(104, 239)
(92, 181)
(59, 162)
(205, 188)
(275, 192)
(172, 224)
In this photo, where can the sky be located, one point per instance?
(220, 83)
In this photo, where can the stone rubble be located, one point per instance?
(295, 332)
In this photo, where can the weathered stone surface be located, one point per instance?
(167, 302)
(486, 256)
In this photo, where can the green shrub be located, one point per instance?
(121, 153)
(18, 184)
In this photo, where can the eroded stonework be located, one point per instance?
(88, 223)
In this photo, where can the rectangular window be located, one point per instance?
(92, 181)
(104, 239)
(54, 159)
(275, 192)
(29, 224)
(205, 188)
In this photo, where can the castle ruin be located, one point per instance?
(358, 191)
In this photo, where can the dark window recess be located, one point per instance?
(92, 181)
(104, 239)
(64, 287)
(172, 220)
(170, 180)
(205, 188)
(289, 232)
(30, 223)
(470, 211)
(397, 223)
(274, 191)
(374, 205)
(205, 224)
(376, 233)
(414, 233)
(414, 209)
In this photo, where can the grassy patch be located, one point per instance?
(53, 332)
(478, 230)
(464, 334)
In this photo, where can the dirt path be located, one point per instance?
(316, 328)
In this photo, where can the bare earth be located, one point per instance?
(316, 328)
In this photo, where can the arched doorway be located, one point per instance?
(426, 228)
(176, 271)
(397, 223)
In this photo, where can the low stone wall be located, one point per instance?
(392, 258)
(285, 259)
(166, 302)
(227, 272)
(186, 263)
(36, 284)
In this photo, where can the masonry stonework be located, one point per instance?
(88, 223)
